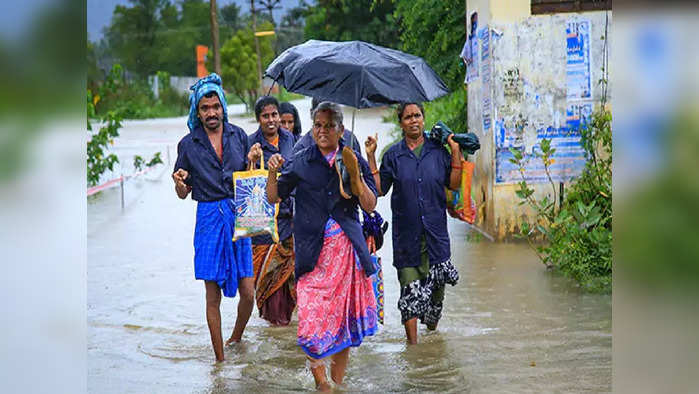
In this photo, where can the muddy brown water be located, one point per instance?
(509, 326)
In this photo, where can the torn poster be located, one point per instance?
(578, 84)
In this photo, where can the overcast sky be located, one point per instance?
(99, 12)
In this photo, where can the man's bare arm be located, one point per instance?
(181, 188)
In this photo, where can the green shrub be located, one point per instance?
(134, 99)
(98, 161)
(577, 237)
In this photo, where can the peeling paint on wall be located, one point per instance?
(540, 65)
(528, 96)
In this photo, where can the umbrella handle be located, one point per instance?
(271, 87)
(354, 111)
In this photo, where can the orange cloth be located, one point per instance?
(273, 267)
(275, 141)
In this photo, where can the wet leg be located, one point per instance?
(246, 290)
(319, 374)
(435, 308)
(411, 331)
(339, 366)
(213, 317)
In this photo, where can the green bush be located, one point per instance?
(577, 237)
(98, 160)
(450, 109)
(134, 99)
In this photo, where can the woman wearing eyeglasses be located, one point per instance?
(335, 299)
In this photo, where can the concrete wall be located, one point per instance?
(527, 98)
(482, 188)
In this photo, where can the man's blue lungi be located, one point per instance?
(216, 257)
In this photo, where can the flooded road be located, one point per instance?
(508, 326)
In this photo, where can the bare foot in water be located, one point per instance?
(231, 341)
(324, 387)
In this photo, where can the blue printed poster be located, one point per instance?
(484, 35)
(578, 78)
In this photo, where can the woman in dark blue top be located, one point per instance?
(336, 304)
(419, 170)
(290, 119)
(273, 263)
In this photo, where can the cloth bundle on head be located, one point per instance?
(204, 86)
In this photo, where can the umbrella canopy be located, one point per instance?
(355, 73)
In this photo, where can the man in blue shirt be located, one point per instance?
(206, 160)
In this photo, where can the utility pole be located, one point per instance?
(257, 44)
(214, 37)
(270, 5)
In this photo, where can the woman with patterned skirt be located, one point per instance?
(273, 263)
(335, 299)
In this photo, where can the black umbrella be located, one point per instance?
(355, 73)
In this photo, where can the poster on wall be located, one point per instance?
(577, 114)
(484, 35)
(562, 128)
(578, 78)
(472, 43)
(568, 161)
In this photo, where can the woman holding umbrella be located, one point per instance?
(336, 304)
(419, 169)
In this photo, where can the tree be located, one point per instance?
(434, 30)
(93, 72)
(290, 30)
(270, 5)
(229, 16)
(132, 35)
(173, 43)
(230, 21)
(257, 42)
(344, 20)
(214, 36)
(239, 63)
(157, 35)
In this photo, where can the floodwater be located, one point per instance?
(509, 326)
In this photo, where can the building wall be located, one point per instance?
(529, 96)
(509, 10)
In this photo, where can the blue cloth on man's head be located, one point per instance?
(204, 86)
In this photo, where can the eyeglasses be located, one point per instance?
(327, 127)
